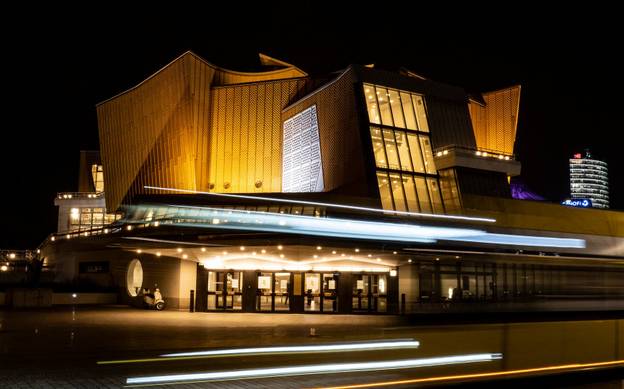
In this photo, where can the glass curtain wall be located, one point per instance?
(84, 219)
(406, 173)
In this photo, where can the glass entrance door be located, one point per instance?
(281, 289)
(225, 290)
(264, 296)
(312, 302)
(369, 293)
(330, 293)
(321, 292)
(273, 293)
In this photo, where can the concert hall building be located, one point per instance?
(366, 190)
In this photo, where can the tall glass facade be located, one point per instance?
(406, 173)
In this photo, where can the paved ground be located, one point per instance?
(60, 347)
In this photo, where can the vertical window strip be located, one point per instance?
(379, 149)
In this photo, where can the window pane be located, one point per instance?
(98, 218)
(378, 148)
(419, 166)
(99, 183)
(85, 219)
(403, 149)
(384, 106)
(397, 192)
(384, 190)
(436, 199)
(450, 193)
(421, 116)
(427, 154)
(391, 150)
(423, 194)
(410, 193)
(408, 111)
(395, 103)
(371, 103)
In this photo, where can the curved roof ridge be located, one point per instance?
(287, 67)
(267, 60)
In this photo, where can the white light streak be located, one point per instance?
(526, 240)
(389, 344)
(195, 216)
(309, 225)
(319, 204)
(317, 369)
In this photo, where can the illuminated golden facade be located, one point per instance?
(495, 119)
(177, 128)
(195, 126)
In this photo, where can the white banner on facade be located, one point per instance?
(302, 169)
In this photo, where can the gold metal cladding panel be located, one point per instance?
(149, 135)
(259, 109)
(201, 107)
(495, 124)
(248, 135)
(227, 77)
(236, 141)
(252, 136)
(339, 130)
(243, 165)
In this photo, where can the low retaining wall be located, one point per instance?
(24, 298)
(83, 298)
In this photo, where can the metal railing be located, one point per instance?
(17, 255)
(480, 152)
(79, 195)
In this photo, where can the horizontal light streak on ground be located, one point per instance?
(386, 345)
(315, 369)
(329, 205)
(389, 344)
(459, 377)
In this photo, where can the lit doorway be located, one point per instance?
(370, 293)
(274, 292)
(225, 291)
(321, 292)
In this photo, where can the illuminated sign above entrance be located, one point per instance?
(579, 203)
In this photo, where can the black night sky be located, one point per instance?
(569, 66)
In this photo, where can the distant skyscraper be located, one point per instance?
(589, 179)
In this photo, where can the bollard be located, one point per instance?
(192, 302)
(403, 303)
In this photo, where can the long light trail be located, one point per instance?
(316, 369)
(208, 217)
(328, 205)
(394, 344)
(507, 373)
(389, 344)
(219, 218)
(525, 240)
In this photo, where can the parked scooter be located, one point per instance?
(153, 300)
